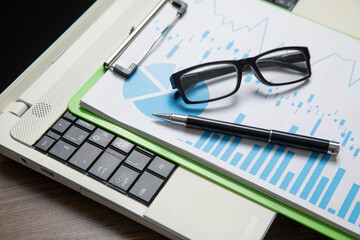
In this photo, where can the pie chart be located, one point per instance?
(150, 90)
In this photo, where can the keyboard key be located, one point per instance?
(123, 178)
(69, 116)
(44, 143)
(61, 125)
(85, 124)
(161, 166)
(101, 137)
(146, 187)
(53, 135)
(76, 135)
(122, 145)
(62, 150)
(105, 166)
(85, 156)
(145, 151)
(116, 153)
(137, 160)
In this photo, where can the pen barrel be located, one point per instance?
(271, 136)
(228, 128)
(299, 141)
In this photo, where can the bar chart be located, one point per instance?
(269, 163)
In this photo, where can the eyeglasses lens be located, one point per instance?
(283, 66)
(209, 82)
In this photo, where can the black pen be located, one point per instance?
(271, 136)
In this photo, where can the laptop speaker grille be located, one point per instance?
(41, 109)
(50, 106)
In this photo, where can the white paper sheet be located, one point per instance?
(325, 107)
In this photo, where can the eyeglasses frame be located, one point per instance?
(175, 79)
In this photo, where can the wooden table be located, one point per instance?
(33, 206)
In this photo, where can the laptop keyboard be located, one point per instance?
(106, 157)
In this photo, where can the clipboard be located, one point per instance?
(197, 168)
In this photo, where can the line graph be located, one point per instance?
(247, 27)
(352, 79)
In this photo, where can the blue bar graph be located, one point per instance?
(342, 122)
(204, 35)
(356, 153)
(332, 187)
(310, 98)
(225, 139)
(285, 183)
(236, 159)
(318, 191)
(229, 45)
(231, 149)
(293, 129)
(240, 118)
(317, 124)
(355, 213)
(284, 163)
(250, 157)
(332, 211)
(202, 139)
(346, 139)
(261, 159)
(206, 55)
(269, 167)
(173, 50)
(279, 101)
(214, 138)
(248, 78)
(348, 201)
(314, 177)
(304, 172)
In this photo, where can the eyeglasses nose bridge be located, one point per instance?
(247, 66)
(242, 64)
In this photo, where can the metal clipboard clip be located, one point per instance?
(127, 72)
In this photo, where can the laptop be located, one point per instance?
(176, 194)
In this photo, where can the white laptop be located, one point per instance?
(34, 107)
(39, 132)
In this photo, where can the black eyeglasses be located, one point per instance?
(217, 80)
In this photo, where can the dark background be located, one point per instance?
(29, 28)
(33, 206)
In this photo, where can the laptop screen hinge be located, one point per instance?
(17, 108)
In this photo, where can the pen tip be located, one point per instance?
(157, 115)
(165, 117)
